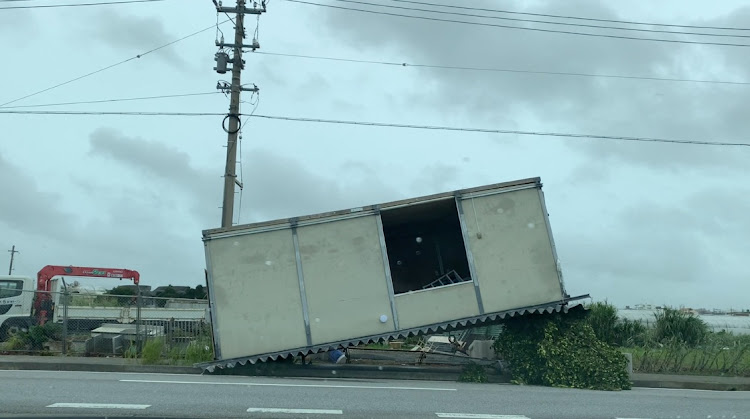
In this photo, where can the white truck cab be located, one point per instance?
(16, 302)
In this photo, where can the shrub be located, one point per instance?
(720, 353)
(37, 336)
(152, 350)
(560, 351)
(603, 320)
(122, 291)
(17, 343)
(198, 351)
(175, 355)
(131, 352)
(118, 296)
(602, 317)
(473, 373)
(675, 325)
(631, 332)
(53, 331)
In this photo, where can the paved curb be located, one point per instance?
(690, 385)
(370, 372)
(98, 367)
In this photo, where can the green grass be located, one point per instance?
(609, 328)
(159, 351)
(377, 346)
(681, 359)
(84, 300)
(152, 351)
(131, 352)
(676, 342)
(200, 350)
(15, 343)
(473, 373)
(197, 351)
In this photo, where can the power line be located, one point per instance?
(589, 19)
(393, 125)
(494, 25)
(502, 131)
(499, 70)
(392, 64)
(111, 65)
(87, 102)
(107, 3)
(106, 113)
(546, 22)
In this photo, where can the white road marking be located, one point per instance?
(99, 372)
(295, 411)
(478, 416)
(288, 385)
(101, 406)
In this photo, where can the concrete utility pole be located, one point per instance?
(13, 252)
(237, 63)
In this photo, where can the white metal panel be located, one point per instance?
(436, 305)
(254, 228)
(512, 251)
(344, 279)
(256, 293)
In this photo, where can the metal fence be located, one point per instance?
(175, 330)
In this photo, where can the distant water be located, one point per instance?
(734, 324)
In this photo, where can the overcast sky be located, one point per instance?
(633, 222)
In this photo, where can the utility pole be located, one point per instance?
(235, 88)
(12, 252)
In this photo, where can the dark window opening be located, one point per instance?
(425, 246)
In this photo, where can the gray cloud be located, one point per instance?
(26, 208)
(277, 186)
(679, 250)
(13, 21)
(127, 230)
(161, 163)
(134, 33)
(436, 178)
(153, 157)
(577, 104)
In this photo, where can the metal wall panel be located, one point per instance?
(267, 283)
(256, 291)
(436, 305)
(513, 256)
(344, 279)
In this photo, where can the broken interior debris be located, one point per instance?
(425, 246)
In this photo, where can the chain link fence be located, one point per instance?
(155, 329)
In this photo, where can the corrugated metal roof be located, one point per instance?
(485, 319)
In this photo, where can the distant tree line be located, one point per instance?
(170, 291)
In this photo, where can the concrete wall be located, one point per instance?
(435, 305)
(258, 306)
(344, 279)
(513, 258)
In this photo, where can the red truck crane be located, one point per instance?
(43, 302)
(25, 302)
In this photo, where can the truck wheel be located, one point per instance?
(12, 328)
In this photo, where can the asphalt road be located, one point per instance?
(78, 394)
